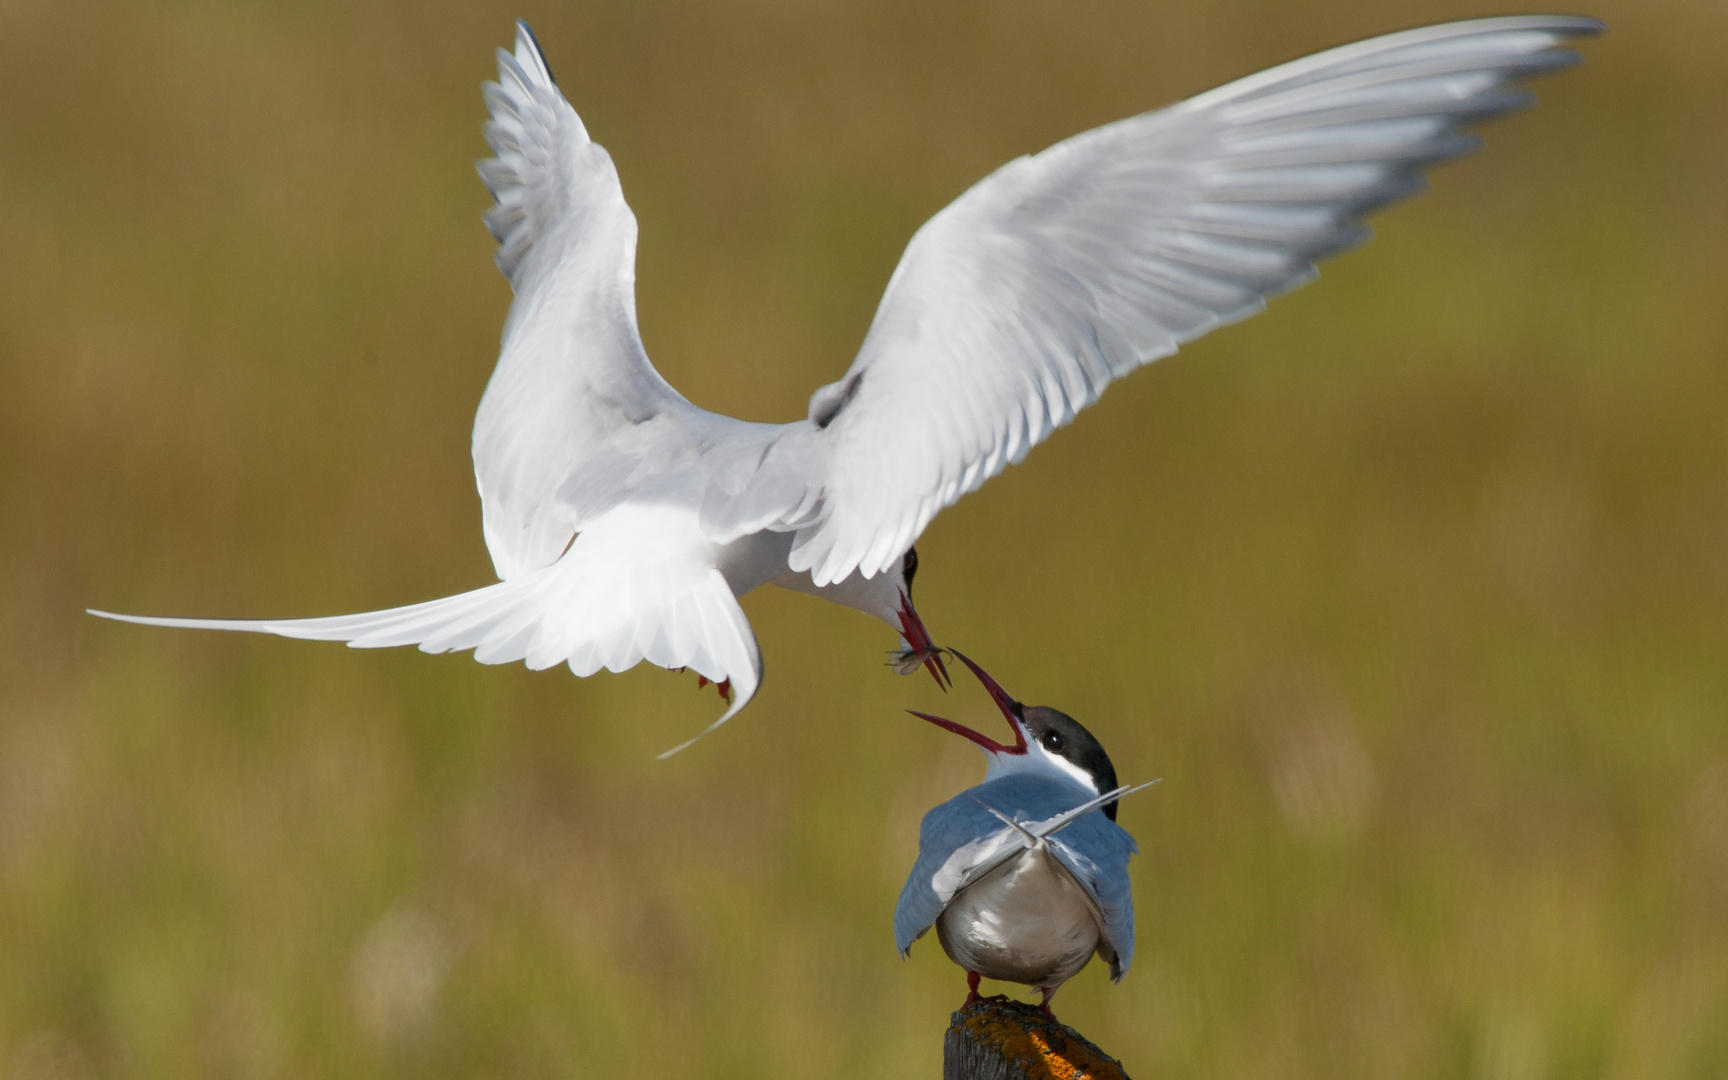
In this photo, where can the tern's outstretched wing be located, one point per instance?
(1015, 306)
(572, 371)
(963, 839)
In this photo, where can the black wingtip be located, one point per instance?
(528, 31)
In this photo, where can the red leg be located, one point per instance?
(972, 994)
(724, 686)
(1044, 1006)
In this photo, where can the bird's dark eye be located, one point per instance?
(909, 565)
(1054, 742)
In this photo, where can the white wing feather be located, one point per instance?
(572, 370)
(1015, 306)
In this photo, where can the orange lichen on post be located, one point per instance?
(1011, 1040)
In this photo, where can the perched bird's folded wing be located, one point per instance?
(572, 370)
(1016, 305)
(610, 602)
(1099, 861)
(958, 844)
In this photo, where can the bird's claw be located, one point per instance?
(724, 686)
(973, 997)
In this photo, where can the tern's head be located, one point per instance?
(1045, 741)
(888, 596)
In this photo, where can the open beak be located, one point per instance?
(920, 652)
(1010, 712)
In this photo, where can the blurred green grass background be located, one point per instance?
(1412, 589)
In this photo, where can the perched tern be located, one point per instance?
(1010, 898)
(624, 522)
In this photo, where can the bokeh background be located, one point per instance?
(1414, 589)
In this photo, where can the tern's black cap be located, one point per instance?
(1065, 737)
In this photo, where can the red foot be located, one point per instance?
(972, 994)
(1044, 1006)
(724, 686)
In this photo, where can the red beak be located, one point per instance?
(1010, 712)
(912, 629)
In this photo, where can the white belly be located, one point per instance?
(757, 559)
(752, 561)
(1027, 921)
(761, 558)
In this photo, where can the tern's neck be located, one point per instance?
(1036, 762)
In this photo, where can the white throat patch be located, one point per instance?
(1040, 761)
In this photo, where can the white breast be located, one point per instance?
(1027, 921)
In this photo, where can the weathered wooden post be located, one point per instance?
(997, 1039)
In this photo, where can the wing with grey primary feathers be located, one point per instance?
(962, 840)
(571, 372)
(1015, 306)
